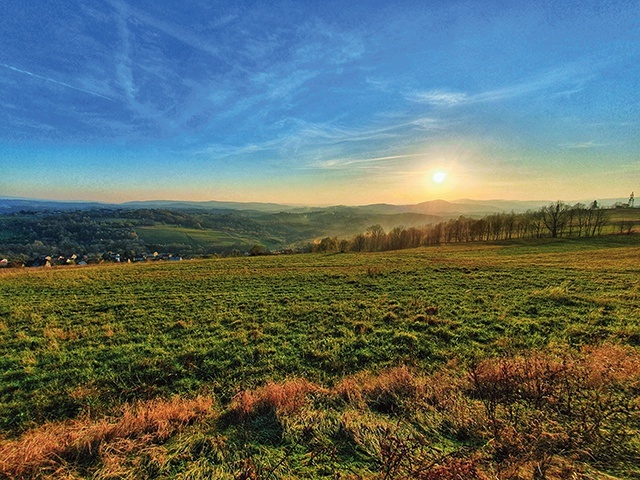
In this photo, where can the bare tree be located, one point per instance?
(375, 238)
(555, 217)
(600, 218)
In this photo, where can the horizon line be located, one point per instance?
(302, 205)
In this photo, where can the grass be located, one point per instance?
(341, 344)
(82, 441)
(169, 234)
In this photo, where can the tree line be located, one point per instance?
(555, 220)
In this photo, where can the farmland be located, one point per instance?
(172, 235)
(236, 337)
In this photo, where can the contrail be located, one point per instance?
(47, 79)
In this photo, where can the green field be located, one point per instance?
(353, 345)
(171, 234)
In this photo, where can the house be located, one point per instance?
(42, 261)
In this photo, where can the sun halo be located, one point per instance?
(439, 177)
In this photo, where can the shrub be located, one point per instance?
(540, 405)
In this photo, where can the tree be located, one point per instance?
(358, 243)
(395, 238)
(343, 246)
(600, 218)
(259, 250)
(375, 237)
(555, 217)
(327, 244)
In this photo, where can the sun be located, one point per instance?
(439, 177)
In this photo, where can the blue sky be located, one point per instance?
(319, 102)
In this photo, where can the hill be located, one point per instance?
(40, 228)
(440, 208)
(93, 232)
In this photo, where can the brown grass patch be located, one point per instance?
(286, 397)
(85, 441)
(382, 391)
(610, 363)
(539, 404)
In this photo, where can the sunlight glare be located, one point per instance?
(439, 177)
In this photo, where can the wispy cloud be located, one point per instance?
(582, 145)
(345, 46)
(54, 81)
(439, 97)
(277, 86)
(248, 75)
(570, 79)
(571, 75)
(320, 143)
(123, 57)
(31, 124)
(342, 163)
(219, 151)
(182, 35)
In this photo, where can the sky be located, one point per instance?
(319, 102)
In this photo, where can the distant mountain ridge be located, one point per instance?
(441, 208)
(212, 205)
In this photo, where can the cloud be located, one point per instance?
(343, 163)
(329, 146)
(249, 75)
(299, 139)
(582, 145)
(123, 58)
(277, 86)
(218, 151)
(182, 35)
(30, 124)
(425, 124)
(439, 97)
(570, 75)
(56, 82)
(571, 78)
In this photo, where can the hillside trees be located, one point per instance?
(555, 220)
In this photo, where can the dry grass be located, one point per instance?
(540, 405)
(538, 376)
(287, 397)
(49, 447)
(538, 415)
(382, 391)
(611, 364)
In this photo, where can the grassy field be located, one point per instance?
(171, 234)
(384, 365)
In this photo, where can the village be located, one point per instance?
(48, 261)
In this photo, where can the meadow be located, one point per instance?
(496, 360)
(174, 235)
